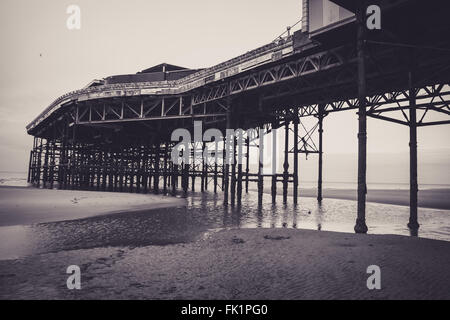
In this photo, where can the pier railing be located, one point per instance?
(178, 86)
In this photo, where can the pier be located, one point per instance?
(116, 133)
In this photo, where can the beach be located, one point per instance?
(241, 264)
(146, 246)
(19, 205)
(297, 151)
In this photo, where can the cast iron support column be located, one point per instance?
(185, 173)
(132, 169)
(98, 162)
(66, 156)
(157, 147)
(123, 173)
(361, 226)
(149, 165)
(166, 156)
(239, 165)
(247, 163)
(103, 162)
(39, 163)
(274, 163)
(174, 179)
(29, 166)
(202, 180)
(110, 156)
(233, 169)
(215, 166)
(31, 163)
(319, 179)
(194, 158)
(261, 165)
(227, 145)
(296, 121)
(413, 189)
(62, 158)
(185, 178)
(73, 156)
(286, 161)
(46, 158)
(223, 161)
(138, 170)
(52, 163)
(206, 167)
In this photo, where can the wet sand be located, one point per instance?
(241, 264)
(22, 205)
(264, 263)
(19, 205)
(428, 198)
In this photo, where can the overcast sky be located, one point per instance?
(41, 59)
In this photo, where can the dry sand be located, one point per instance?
(241, 264)
(20, 205)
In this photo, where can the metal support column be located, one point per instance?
(227, 145)
(361, 226)
(157, 148)
(319, 179)
(239, 166)
(247, 164)
(233, 169)
(274, 163)
(296, 122)
(286, 161)
(413, 189)
(261, 165)
(166, 159)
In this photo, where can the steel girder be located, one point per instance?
(272, 74)
(429, 98)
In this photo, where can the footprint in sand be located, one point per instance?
(276, 237)
(75, 200)
(237, 240)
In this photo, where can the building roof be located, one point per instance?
(163, 67)
(94, 83)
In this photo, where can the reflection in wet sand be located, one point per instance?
(206, 212)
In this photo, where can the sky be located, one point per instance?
(40, 59)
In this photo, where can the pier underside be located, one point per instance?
(123, 143)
